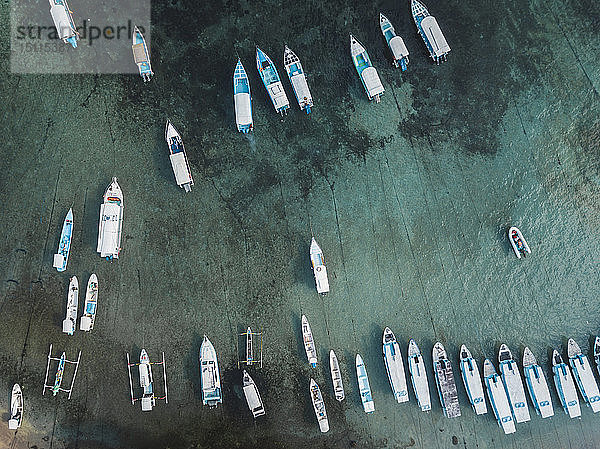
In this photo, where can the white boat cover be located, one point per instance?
(372, 82)
(59, 260)
(180, 168)
(434, 35)
(398, 48)
(301, 88)
(321, 279)
(254, 402)
(86, 323)
(243, 111)
(109, 235)
(278, 96)
(146, 404)
(61, 21)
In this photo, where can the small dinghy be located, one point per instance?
(146, 382)
(319, 269)
(430, 31)
(141, 55)
(295, 72)
(513, 384)
(336, 376)
(63, 21)
(111, 222)
(472, 380)
(366, 72)
(319, 406)
(64, 246)
(518, 243)
(597, 353)
(209, 374)
(584, 376)
(16, 408)
(68, 325)
(242, 99)
(565, 386)
(394, 365)
(537, 385)
(255, 403)
(309, 342)
(270, 77)
(395, 43)
(498, 398)
(91, 302)
(418, 375)
(363, 386)
(179, 161)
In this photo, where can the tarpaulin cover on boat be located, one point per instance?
(243, 111)
(372, 81)
(180, 168)
(434, 35)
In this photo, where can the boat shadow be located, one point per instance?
(303, 272)
(91, 215)
(192, 366)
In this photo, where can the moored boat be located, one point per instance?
(309, 342)
(178, 157)
(518, 243)
(584, 376)
(430, 31)
(336, 376)
(295, 72)
(141, 55)
(60, 370)
(63, 21)
(363, 386)
(444, 379)
(209, 374)
(472, 380)
(64, 245)
(111, 222)
(319, 406)
(418, 376)
(537, 385)
(394, 365)
(498, 398)
(90, 305)
(146, 382)
(597, 353)
(366, 72)
(513, 384)
(242, 99)
(395, 43)
(16, 408)
(319, 269)
(68, 324)
(255, 403)
(270, 77)
(565, 386)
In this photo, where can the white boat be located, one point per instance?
(336, 376)
(178, 157)
(394, 365)
(242, 99)
(111, 222)
(63, 21)
(295, 72)
(64, 246)
(472, 380)
(68, 324)
(498, 398)
(363, 386)
(209, 374)
(565, 386)
(517, 241)
(584, 376)
(255, 403)
(537, 385)
(146, 382)
(366, 72)
(309, 342)
(418, 375)
(513, 384)
(430, 31)
(319, 406)
(395, 42)
(91, 303)
(16, 408)
(141, 54)
(319, 269)
(444, 379)
(270, 77)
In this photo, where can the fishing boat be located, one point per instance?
(537, 385)
(255, 403)
(395, 43)
(430, 31)
(363, 386)
(64, 245)
(111, 222)
(392, 357)
(91, 302)
(309, 342)
(584, 376)
(319, 269)
(270, 77)
(179, 160)
(472, 380)
(565, 386)
(72, 301)
(319, 406)
(16, 408)
(295, 72)
(146, 382)
(418, 375)
(366, 72)
(597, 353)
(141, 55)
(242, 99)
(498, 398)
(209, 374)
(513, 384)
(336, 376)
(518, 243)
(63, 21)
(60, 370)
(444, 379)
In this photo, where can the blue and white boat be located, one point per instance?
(68, 325)
(297, 77)
(178, 158)
(395, 43)
(430, 31)
(565, 386)
(90, 305)
(209, 374)
(146, 382)
(537, 385)
(498, 398)
(270, 77)
(513, 384)
(366, 72)
(418, 375)
(584, 376)
(64, 245)
(63, 21)
(444, 379)
(242, 99)
(141, 55)
(472, 380)
(394, 366)
(319, 269)
(363, 386)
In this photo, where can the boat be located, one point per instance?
(584, 376)
(537, 385)
(472, 379)
(319, 270)
(498, 398)
(597, 353)
(141, 55)
(430, 31)
(513, 384)
(270, 77)
(366, 72)
(209, 374)
(242, 99)
(16, 408)
(395, 43)
(60, 370)
(392, 357)
(111, 222)
(336, 376)
(72, 301)
(295, 72)
(63, 21)
(418, 375)
(444, 379)
(91, 303)
(363, 386)
(518, 243)
(64, 245)
(309, 342)
(146, 382)
(565, 386)
(319, 406)
(249, 349)
(255, 403)
(179, 160)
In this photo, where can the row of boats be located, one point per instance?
(89, 308)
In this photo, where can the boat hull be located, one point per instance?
(366, 72)
(64, 246)
(584, 377)
(253, 399)
(500, 404)
(513, 243)
(272, 82)
(363, 386)
(242, 99)
(309, 342)
(473, 385)
(16, 408)
(210, 378)
(418, 376)
(90, 305)
(72, 302)
(336, 377)
(565, 387)
(394, 366)
(111, 222)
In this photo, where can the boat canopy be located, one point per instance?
(180, 168)
(372, 81)
(62, 21)
(110, 230)
(398, 48)
(301, 87)
(321, 279)
(243, 111)
(277, 94)
(254, 402)
(435, 37)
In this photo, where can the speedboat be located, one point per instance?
(498, 398)
(64, 246)
(255, 403)
(392, 357)
(319, 270)
(72, 300)
(319, 406)
(513, 384)
(242, 99)
(472, 380)
(91, 302)
(444, 379)
(141, 55)
(336, 376)
(16, 408)
(63, 21)
(270, 77)
(518, 243)
(179, 161)
(430, 31)
(366, 72)
(584, 376)
(309, 342)
(395, 43)
(209, 374)
(146, 382)
(418, 375)
(363, 386)
(295, 72)
(565, 386)
(111, 222)
(537, 385)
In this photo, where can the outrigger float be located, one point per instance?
(295, 72)
(472, 380)
(518, 243)
(179, 160)
(363, 386)
(63, 21)
(309, 342)
(251, 357)
(68, 325)
(565, 386)
(111, 222)
(16, 408)
(395, 43)
(430, 31)
(148, 397)
(319, 406)
(209, 375)
(319, 269)
(394, 365)
(270, 77)
(537, 385)
(336, 376)
(498, 398)
(64, 245)
(91, 304)
(242, 99)
(141, 55)
(584, 376)
(253, 399)
(418, 376)
(366, 72)
(60, 370)
(444, 379)
(513, 384)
